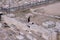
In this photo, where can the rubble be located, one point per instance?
(49, 24)
(39, 23)
(20, 37)
(11, 15)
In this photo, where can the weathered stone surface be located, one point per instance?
(49, 24)
(42, 24)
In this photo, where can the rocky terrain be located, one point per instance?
(39, 21)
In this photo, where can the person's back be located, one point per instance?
(28, 19)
